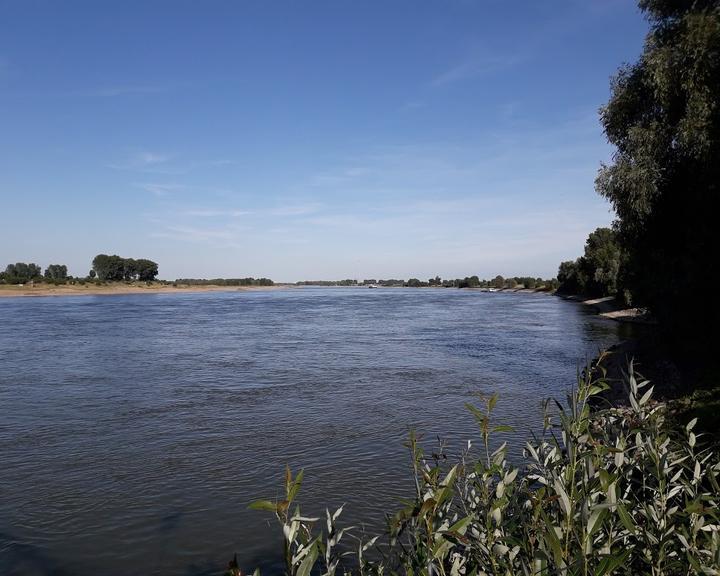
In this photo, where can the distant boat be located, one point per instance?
(373, 286)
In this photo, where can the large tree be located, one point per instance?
(56, 272)
(21, 272)
(146, 269)
(109, 267)
(601, 262)
(664, 119)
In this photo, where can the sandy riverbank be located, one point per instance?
(120, 288)
(609, 307)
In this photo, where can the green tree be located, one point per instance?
(469, 282)
(663, 118)
(130, 269)
(56, 272)
(147, 270)
(602, 262)
(21, 272)
(109, 267)
(117, 268)
(571, 277)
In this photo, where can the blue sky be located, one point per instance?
(307, 140)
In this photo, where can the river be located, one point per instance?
(135, 429)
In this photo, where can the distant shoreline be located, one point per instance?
(44, 290)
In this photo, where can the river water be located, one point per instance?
(135, 429)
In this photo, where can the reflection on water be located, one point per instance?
(134, 430)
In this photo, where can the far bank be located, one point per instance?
(88, 289)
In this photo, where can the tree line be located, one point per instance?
(663, 118)
(109, 268)
(595, 273)
(498, 282)
(23, 272)
(104, 268)
(112, 268)
(225, 282)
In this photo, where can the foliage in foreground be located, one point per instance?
(606, 491)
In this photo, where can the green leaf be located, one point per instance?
(595, 521)
(263, 505)
(552, 540)
(625, 518)
(461, 525)
(646, 396)
(493, 400)
(309, 561)
(564, 498)
(295, 486)
(450, 476)
(288, 478)
(610, 563)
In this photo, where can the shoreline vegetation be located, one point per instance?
(606, 489)
(118, 288)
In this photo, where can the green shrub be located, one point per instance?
(606, 490)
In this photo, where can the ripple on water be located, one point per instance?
(134, 430)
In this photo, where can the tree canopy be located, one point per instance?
(21, 272)
(117, 268)
(596, 272)
(56, 272)
(663, 118)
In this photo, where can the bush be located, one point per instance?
(606, 491)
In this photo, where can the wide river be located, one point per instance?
(135, 430)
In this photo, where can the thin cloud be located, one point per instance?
(151, 158)
(148, 162)
(125, 90)
(475, 67)
(411, 105)
(160, 190)
(195, 234)
(209, 213)
(296, 209)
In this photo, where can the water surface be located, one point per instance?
(135, 429)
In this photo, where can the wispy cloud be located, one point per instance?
(411, 105)
(513, 203)
(148, 162)
(160, 190)
(210, 213)
(124, 90)
(295, 209)
(150, 158)
(196, 234)
(153, 162)
(475, 66)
